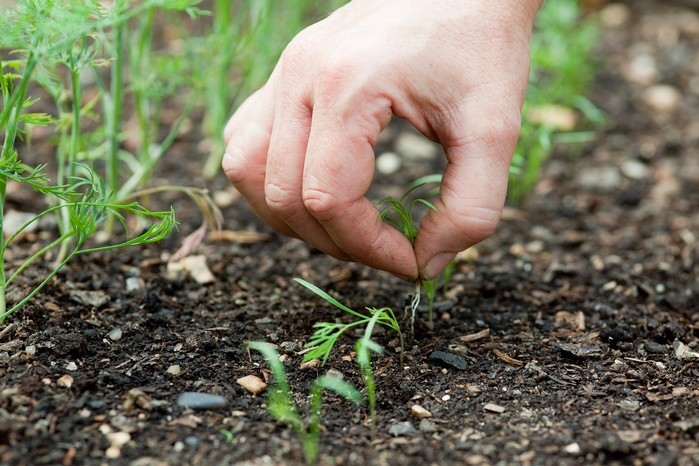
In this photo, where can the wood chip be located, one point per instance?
(475, 336)
(506, 358)
(239, 236)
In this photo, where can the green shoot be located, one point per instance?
(323, 340)
(562, 69)
(282, 407)
(364, 347)
(400, 214)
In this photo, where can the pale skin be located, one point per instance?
(300, 150)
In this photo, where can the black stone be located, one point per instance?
(448, 360)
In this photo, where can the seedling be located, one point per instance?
(324, 339)
(364, 348)
(562, 69)
(282, 407)
(400, 213)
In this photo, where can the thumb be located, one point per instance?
(479, 144)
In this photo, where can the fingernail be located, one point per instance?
(435, 265)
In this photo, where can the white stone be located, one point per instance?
(662, 98)
(615, 15)
(115, 335)
(605, 177)
(71, 366)
(195, 266)
(174, 370)
(415, 147)
(634, 169)
(643, 70)
(388, 163)
(133, 284)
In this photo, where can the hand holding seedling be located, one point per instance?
(301, 148)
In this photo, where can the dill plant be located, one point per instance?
(58, 45)
(282, 407)
(326, 335)
(401, 214)
(562, 71)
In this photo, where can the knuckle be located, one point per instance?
(474, 224)
(503, 127)
(320, 203)
(279, 198)
(235, 165)
(299, 51)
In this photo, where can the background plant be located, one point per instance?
(556, 109)
(68, 48)
(281, 405)
(253, 34)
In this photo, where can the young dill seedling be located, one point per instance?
(282, 407)
(400, 214)
(327, 333)
(364, 347)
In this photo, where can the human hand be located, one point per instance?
(300, 149)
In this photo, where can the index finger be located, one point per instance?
(337, 174)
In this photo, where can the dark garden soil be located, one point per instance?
(589, 293)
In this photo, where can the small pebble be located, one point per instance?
(634, 169)
(312, 364)
(615, 15)
(133, 284)
(604, 178)
(572, 449)
(174, 369)
(427, 426)
(192, 441)
(643, 70)
(252, 384)
(388, 163)
(196, 267)
(335, 373)
(65, 381)
(30, 350)
(71, 366)
(118, 439)
(420, 412)
(448, 360)
(198, 400)
(115, 335)
(493, 408)
(662, 97)
(559, 117)
(415, 147)
(401, 429)
(225, 198)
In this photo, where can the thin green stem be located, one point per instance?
(113, 121)
(39, 287)
(27, 262)
(145, 168)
